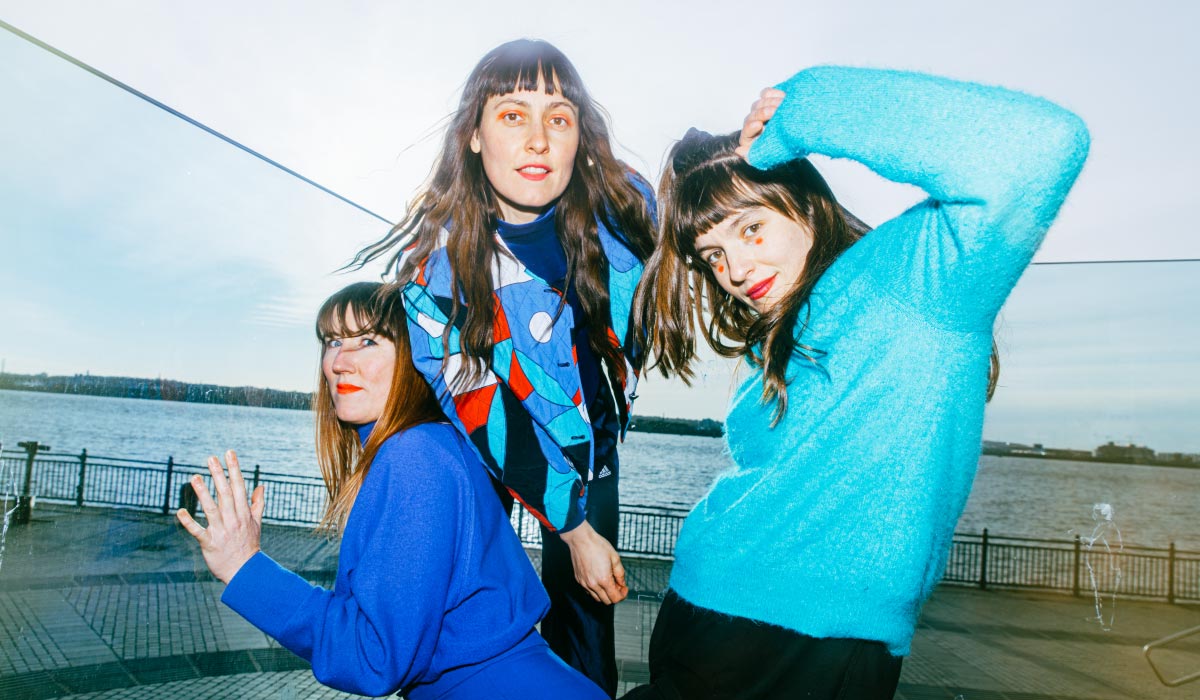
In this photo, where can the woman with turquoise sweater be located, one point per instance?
(868, 359)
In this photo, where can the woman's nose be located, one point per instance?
(537, 142)
(343, 362)
(740, 267)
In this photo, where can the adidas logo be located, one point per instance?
(604, 471)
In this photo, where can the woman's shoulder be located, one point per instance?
(428, 458)
(639, 182)
(437, 441)
(430, 270)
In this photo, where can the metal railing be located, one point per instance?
(91, 480)
(981, 560)
(1073, 566)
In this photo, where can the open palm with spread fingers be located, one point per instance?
(234, 525)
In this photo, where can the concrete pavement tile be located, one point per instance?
(30, 685)
(40, 630)
(925, 693)
(163, 670)
(951, 663)
(288, 685)
(90, 678)
(225, 663)
(923, 666)
(999, 665)
(1124, 669)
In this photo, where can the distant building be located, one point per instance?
(1002, 449)
(1130, 454)
(1039, 450)
(1062, 453)
(1179, 458)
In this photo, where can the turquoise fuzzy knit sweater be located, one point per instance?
(837, 522)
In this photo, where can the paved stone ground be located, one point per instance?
(116, 604)
(278, 685)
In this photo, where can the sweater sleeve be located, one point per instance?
(397, 557)
(996, 164)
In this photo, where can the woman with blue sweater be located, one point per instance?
(434, 596)
(856, 432)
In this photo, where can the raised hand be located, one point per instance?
(234, 526)
(760, 113)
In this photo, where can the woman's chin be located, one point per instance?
(355, 417)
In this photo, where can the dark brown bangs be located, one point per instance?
(709, 195)
(375, 309)
(522, 64)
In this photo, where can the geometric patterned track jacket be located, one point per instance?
(526, 417)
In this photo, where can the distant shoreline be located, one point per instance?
(1058, 458)
(256, 397)
(172, 390)
(156, 390)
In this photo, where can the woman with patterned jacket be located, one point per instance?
(856, 432)
(518, 264)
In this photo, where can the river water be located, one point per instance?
(1012, 496)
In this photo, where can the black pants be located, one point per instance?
(577, 628)
(697, 653)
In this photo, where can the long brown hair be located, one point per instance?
(343, 458)
(705, 182)
(459, 196)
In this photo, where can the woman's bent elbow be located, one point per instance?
(1072, 141)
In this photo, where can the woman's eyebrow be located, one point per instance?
(512, 101)
(742, 217)
(558, 104)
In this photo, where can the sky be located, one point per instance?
(138, 244)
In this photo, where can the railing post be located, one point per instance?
(1171, 574)
(82, 476)
(1078, 557)
(25, 500)
(167, 489)
(255, 479)
(983, 561)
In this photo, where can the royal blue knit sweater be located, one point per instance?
(837, 521)
(431, 580)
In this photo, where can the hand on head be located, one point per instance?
(760, 113)
(234, 525)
